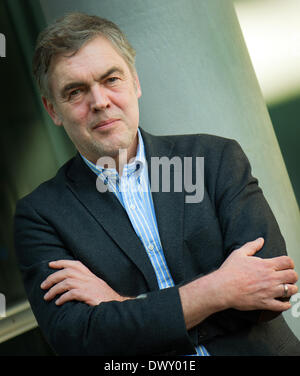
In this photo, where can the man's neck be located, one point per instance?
(123, 157)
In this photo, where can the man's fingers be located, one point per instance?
(278, 305)
(67, 297)
(291, 290)
(54, 278)
(69, 268)
(59, 288)
(281, 263)
(286, 276)
(59, 264)
(251, 248)
(59, 276)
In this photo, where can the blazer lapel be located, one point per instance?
(169, 207)
(107, 210)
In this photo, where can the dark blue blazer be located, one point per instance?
(67, 218)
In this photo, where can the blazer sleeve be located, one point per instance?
(150, 325)
(244, 215)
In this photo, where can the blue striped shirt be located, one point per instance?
(133, 191)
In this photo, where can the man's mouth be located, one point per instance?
(105, 124)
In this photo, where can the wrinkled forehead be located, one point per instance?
(97, 55)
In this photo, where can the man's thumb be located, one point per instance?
(254, 246)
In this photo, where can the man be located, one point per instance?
(127, 271)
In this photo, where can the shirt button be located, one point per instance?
(132, 207)
(150, 247)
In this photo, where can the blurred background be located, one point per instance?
(32, 149)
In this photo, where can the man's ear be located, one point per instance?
(52, 112)
(137, 85)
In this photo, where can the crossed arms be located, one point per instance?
(244, 282)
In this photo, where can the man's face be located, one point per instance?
(95, 100)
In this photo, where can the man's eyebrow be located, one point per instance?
(111, 71)
(74, 85)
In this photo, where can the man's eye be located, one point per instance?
(112, 80)
(74, 93)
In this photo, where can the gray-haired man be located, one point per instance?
(130, 271)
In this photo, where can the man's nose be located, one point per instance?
(99, 98)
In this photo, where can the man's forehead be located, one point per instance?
(98, 49)
(97, 55)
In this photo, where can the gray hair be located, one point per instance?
(67, 35)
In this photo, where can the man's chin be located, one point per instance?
(115, 152)
(112, 147)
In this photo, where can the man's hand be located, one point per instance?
(243, 282)
(76, 282)
(255, 283)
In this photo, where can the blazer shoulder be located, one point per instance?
(201, 144)
(50, 190)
